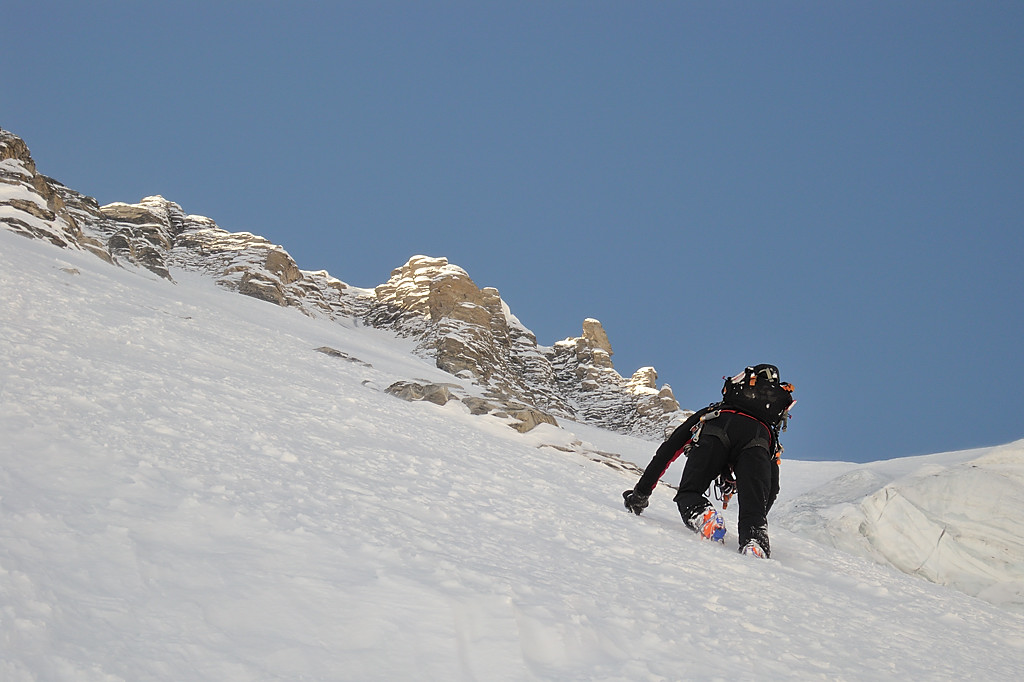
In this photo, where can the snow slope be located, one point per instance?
(189, 491)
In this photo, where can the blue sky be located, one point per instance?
(835, 188)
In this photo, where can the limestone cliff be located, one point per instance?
(29, 201)
(466, 330)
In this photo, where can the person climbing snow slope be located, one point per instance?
(734, 444)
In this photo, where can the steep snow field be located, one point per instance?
(189, 491)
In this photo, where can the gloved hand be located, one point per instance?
(635, 502)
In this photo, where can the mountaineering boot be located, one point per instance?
(707, 523)
(754, 542)
(753, 549)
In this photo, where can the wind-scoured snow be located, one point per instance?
(190, 491)
(953, 518)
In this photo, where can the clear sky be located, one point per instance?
(836, 188)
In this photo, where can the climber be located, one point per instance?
(734, 443)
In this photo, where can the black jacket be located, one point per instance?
(670, 450)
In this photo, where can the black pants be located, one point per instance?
(741, 443)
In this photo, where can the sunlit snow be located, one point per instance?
(189, 491)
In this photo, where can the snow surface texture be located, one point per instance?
(189, 491)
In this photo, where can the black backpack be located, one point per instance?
(758, 392)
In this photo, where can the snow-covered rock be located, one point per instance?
(468, 330)
(471, 332)
(29, 204)
(599, 394)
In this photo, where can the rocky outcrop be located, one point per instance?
(341, 355)
(600, 395)
(29, 203)
(439, 394)
(466, 330)
(519, 416)
(469, 331)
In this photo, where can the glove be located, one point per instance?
(635, 502)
